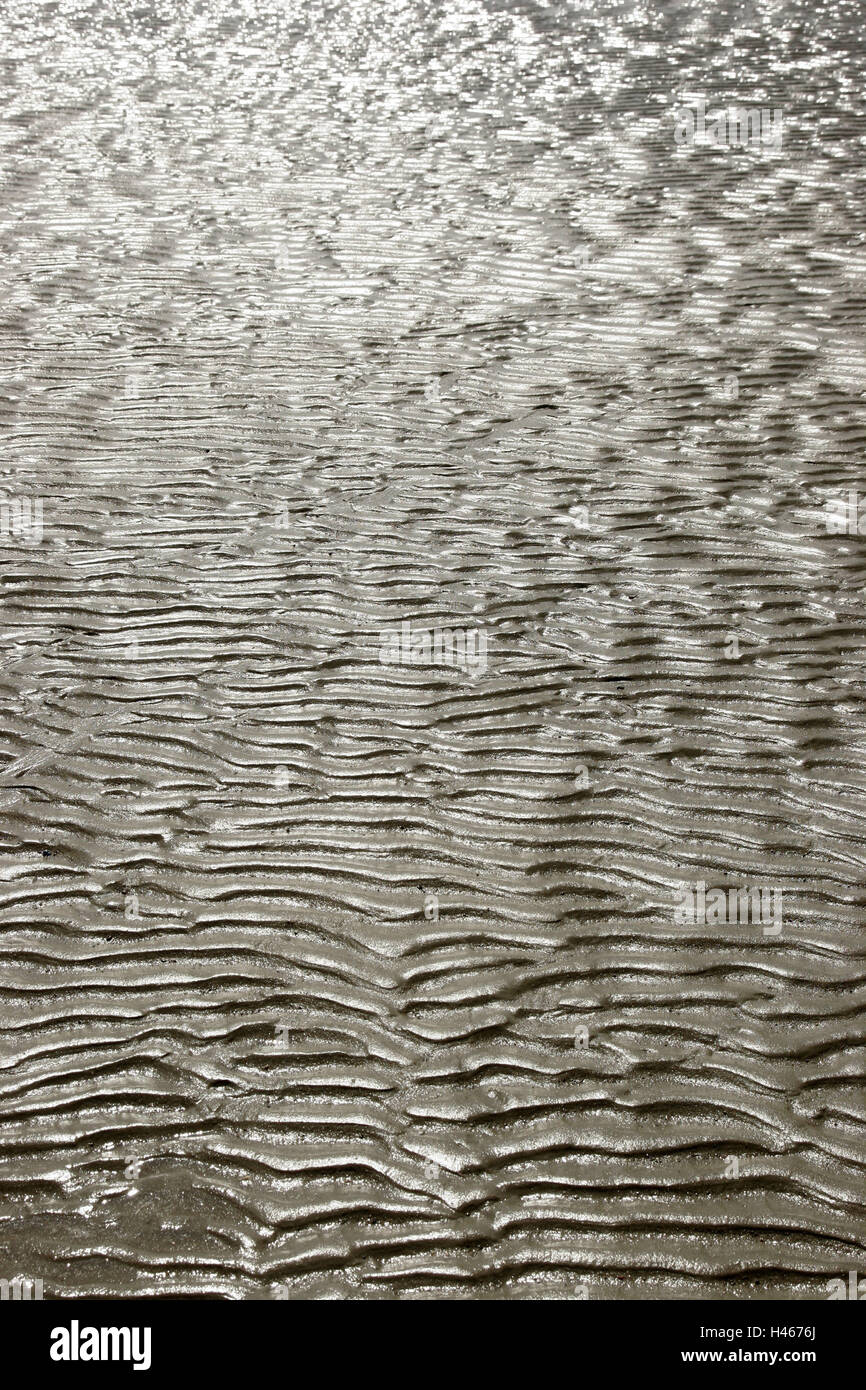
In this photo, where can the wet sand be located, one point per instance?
(332, 977)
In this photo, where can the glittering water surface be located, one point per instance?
(329, 976)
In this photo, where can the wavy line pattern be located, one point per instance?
(324, 978)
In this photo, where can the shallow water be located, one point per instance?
(325, 976)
